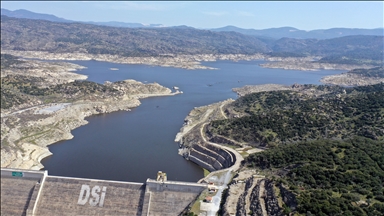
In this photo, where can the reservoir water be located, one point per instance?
(133, 146)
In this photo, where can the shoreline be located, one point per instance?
(189, 62)
(29, 128)
(192, 133)
(309, 63)
(34, 154)
(75, 114)
(192, 62)
(346, 79)
(200, 116)
(311, 66)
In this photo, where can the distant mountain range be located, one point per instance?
(61, 37)
(291, 32)
(266, 35)
(32, 15)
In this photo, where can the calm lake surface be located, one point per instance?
(133, 146)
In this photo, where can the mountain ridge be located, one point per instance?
(22, 13)
(292, 32)
(22, 34)
(41, 35)
(269, 33)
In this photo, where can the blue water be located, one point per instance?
(133, 146)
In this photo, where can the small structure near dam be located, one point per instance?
(30, 192)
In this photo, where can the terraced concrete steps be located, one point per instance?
(201, 163)
(207, 159)
(229, 157)
(213, 154)
(210, 157)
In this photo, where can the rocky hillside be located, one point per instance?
(326, 177)
(324, 149)
(305, 113)
(357, 49)
(290, 32)
(308, 149)
(58, 37)
(40, 35)
(356, 77)
(329, 46)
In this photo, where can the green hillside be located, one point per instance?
(40, 35)
(329, 177)
(273, 118)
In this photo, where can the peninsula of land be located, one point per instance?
(308, 64)
(356, 77)
(41, 102)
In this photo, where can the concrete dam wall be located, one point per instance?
(211, 157)
(26, 192)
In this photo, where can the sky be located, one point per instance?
(303, 15)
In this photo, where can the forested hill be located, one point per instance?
(40, 35)
(280, 117)
(325, 145)
(290, 32)
(328, 177)
(377, 72)
(357, 49)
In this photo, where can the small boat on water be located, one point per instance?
(113, 68)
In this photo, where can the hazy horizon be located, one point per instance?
(205, 15)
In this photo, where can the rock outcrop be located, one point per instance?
(288, 198)
(308, 64)
(255, 200)
(271, 203)
(347, 79)
(248, 89)
(241, 204)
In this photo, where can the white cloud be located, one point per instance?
(223, 13)
(136, 6)
(141, 6)
(244, 13)
(215, 13)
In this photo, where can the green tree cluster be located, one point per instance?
(330, 177)
(279, 117)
